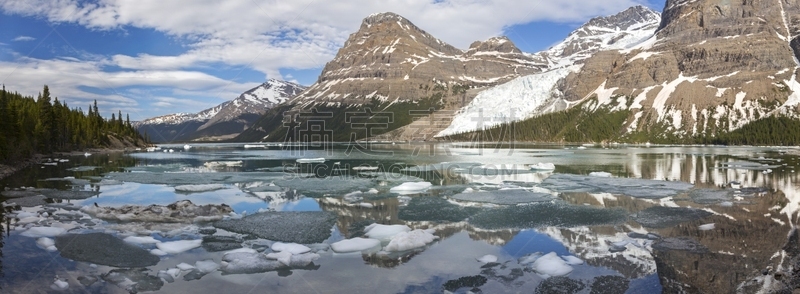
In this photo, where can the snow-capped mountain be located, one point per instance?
(222, 121)
(535, 94)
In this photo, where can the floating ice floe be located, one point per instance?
(38, 232)
(601, 174)
(572, 260)
(180, 211)
(218, 164)
(442, 167)
(310, 160)
(663, 217)
(543, 166)
(185, 266)
(545, 214)
(365, 168)
(46, 244)
(488, 258)
(83, 168)
(199, 188)
(550, 265)
(640, 188)
(503, 197)
(175, 247)
(292, 248)
(411, 188)
(355, 245)
(410, 240)
(384, 232)
(59, 285)
(141, 240)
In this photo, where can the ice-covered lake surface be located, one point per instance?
(399, 218)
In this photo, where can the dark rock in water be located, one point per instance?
(710, 196)
(221, 243)
(680, 243)
(435, 209)
(104, 249)
(662, 217)
(559, 285)
(609, 285)
(504, 197)
(356, 229)
(286, 226)
(142, 281)
(462, 282)
(615, 248)
(207, 231)
(87, 281)
(195, 274)
(546, 215)
(28, 201)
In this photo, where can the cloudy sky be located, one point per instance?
(154, 57)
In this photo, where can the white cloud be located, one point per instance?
(265, 36)
(23, 39)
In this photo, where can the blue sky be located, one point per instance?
(153, 57)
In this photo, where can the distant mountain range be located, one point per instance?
(223, 121)
(698, 70)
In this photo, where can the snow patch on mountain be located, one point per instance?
(536, 94)
(509, 102)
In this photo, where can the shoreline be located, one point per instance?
(6, 170)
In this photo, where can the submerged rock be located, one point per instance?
(221, 243)
(546, 215)
(609, 285)
(559, 285)
(662, 217)
(465, 282)
(180, 211)
(504, 197)
(104, 249)
(286, 226)
(134, 280)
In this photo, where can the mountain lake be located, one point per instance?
(402, 218)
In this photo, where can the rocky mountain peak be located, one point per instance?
(495, 44)
(631, 17)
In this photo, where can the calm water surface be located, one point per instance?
(589, 217)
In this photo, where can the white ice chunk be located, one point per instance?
(543, 166)
(411, 187)
(355, 244)
(292, 248)
(572, 260)
(707, 227)
(60, 285)
(206, 266)
(311, 160)
(185, 266)
(241, 250)
(46, 244)
(141, 240)
(285, 257)
(384, 232)
(199, 188)
(158, 252)
(550, 265)
(600, 174)
(176, 247)
(366, 205)
(174, 272)
(37, 232)
(488, 258)
(410, 240)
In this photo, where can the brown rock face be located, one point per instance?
(712, 66)
(390, 58)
